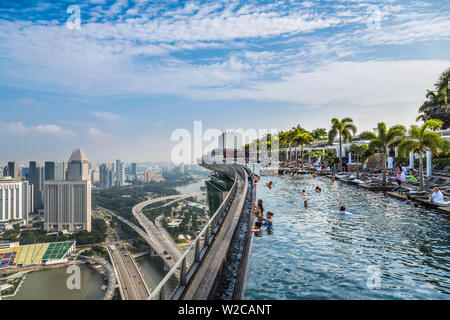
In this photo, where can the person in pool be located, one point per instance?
(318, 190)
(267, 221)
(342, 209)
(304, 193)
(269, 185)
(257, 228)
(258, 210)
(306, 203)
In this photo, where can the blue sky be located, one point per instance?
(137, 70)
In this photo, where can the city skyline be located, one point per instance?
(136, 71)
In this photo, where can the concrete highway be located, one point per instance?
(132, 284)
(158, 234)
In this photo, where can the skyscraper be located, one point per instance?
(134, 170)
(148, 175)
(12, 170)
(78, 166)
(15, 199)
(67, 204)
(120, 173)
(34, 177)
(55, 170)
(106, 176)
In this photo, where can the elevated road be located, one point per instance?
(156, 246)
(132, 285)
(158, 235)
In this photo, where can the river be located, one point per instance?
(51, 284)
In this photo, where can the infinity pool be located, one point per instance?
(381, 249)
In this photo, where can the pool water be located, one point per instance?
(380, 249)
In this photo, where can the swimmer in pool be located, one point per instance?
(258, 209)
(257, 228)
(342, 209)
(306, 203)
(269, 185)
(318, 190)
(268, 220)
(304, 193)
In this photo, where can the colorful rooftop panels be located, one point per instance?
(34, 253)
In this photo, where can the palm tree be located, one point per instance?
(303, 138)
(345, 129)
(385, 139)
(292, 137)
(360, 152)
(420, 140)
(319, 134)
(283, 137)
(310, 154)
(436, 106)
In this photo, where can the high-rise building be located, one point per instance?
(15, 199)
(55, 170)
(67, 204)
(78, 166)
(13, 171)
(95, 176)
(120, 173)
(133, 170)
(148, 175)
(106, 178)
(34, 177)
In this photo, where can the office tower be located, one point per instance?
(67, 204)
(34, 177)
(148, 175)
(13, 171)
(120, 173)
(41, 178)
(49, 170)
(134, 170)
(55, 170)
(106, 176)
(110, 179)
(95, 175)
(15, 199)
(78, 166)
(103, 175)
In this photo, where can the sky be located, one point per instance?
(131, 72)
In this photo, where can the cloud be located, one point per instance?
(364, 83)
(14, 127)
(52, 129)
(108, 116)
(96, 134)
(48, 129)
